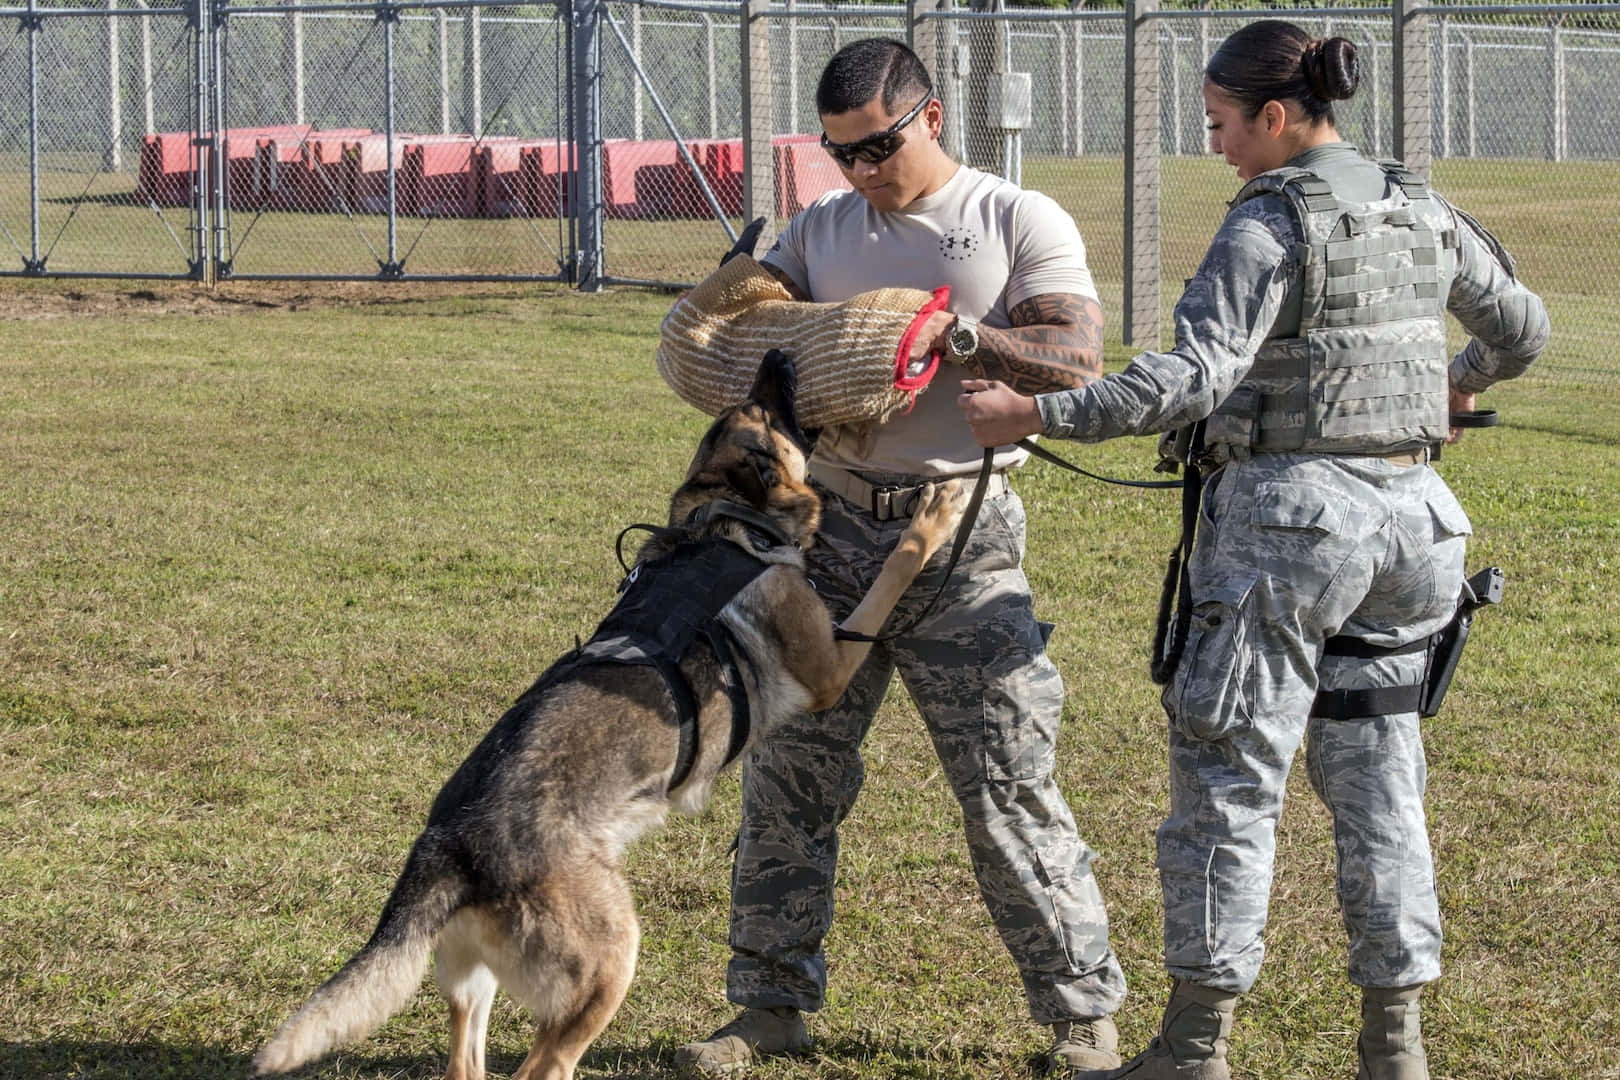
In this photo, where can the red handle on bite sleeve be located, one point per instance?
(914, 383)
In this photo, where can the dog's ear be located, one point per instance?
(746, 241)
(776, 387)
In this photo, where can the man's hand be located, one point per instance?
(1458, 402)
(931, 338)
(998, 414)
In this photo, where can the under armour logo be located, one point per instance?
(958, 244)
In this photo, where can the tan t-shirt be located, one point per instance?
(993, 243)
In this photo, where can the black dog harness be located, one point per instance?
(670, 603)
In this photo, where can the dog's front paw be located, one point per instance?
(941, 506)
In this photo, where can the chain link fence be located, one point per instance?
(600, 141)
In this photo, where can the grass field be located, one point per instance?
(273, 559)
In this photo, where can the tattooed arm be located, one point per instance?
(1055, 343)
(787, 283)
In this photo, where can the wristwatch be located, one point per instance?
(963, 338)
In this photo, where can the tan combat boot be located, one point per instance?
(1083, 1044)
(1391, 1042)
(1191, 1044)
(755, 1033)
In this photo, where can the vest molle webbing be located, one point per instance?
(1366, 373)
(667, 605)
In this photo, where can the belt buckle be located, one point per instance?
(889, 505)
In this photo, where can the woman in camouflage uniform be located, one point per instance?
(1310, 372)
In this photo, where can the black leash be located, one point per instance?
(1175, 595)
(963, 530)
(1046, 455)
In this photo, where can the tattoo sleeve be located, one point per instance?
(1055, 343)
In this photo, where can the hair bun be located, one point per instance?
(1332, 68)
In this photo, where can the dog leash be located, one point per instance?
(1046, 455)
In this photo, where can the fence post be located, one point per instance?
(791, 32)
(211, 74)
(1413, 90)
(33, 264)
(112, 156)
(1141, 325)
(759, 198)
(472, 71)
(1558, 128)
(1445, 86)
(292, 62)
(713, 76)
(146, 69)
(441, 24)
(1468, 56)
(987, 61)
(638, 114)
(586, 20)
(922, 34)
(1077, 73)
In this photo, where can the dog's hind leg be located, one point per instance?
(559, 1045)
(468, 986)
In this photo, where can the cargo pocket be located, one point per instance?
(1448, 518)
(1212, 694)
(1022, 698)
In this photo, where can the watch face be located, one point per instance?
(963, 341)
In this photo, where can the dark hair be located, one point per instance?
(1272, 60)
(863, 69)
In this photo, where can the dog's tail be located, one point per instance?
(383, 976)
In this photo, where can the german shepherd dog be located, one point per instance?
(517, 879)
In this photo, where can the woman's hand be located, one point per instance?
(1458, 402)
(998, 414)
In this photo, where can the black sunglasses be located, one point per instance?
(878, 148)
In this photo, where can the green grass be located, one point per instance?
(272, 563)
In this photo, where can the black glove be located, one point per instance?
(745, 242)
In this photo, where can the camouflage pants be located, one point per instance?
(978, 672)
(1293, 549)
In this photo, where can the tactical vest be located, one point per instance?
(667, 605)
(1366, 373)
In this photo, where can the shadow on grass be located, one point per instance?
(86, 1060)
(83, 1060)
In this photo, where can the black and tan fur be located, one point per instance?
(516, 881)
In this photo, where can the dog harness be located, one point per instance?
(666, 606)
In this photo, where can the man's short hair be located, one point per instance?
(862, 70)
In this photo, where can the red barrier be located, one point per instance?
(240, 149)
(363, 169)
(436, 177)
(548, 170)
(804, 173)
(284, 176)
(294, 167)
(622, 160)
(504, 183)
(165, 171)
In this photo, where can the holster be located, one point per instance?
(1446, 646)
(1443, 650)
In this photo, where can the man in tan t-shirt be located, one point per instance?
(1022, 310)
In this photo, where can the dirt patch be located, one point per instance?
(22, 299)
